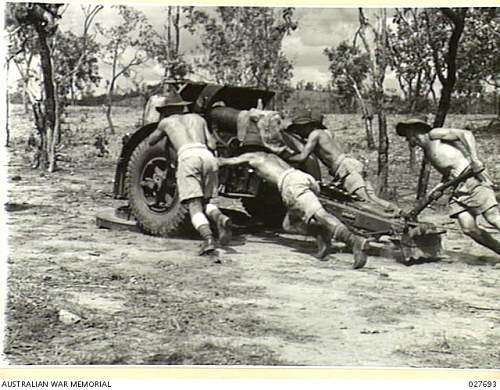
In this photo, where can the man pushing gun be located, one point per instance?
(343, 168)
(305, 213)
(451, 152)
(197, 169)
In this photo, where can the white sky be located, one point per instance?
(318, 28)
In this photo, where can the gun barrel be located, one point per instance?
(224, 119)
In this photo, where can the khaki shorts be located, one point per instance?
(196, 174)
(298, 191)
(473, 196)
(350, 174)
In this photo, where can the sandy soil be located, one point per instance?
(264, 300)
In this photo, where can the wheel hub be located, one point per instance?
(158, 185)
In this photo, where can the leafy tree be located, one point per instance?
(244, 46)
(165, 45)
(479, 57)
(126, 47)
(72, 74)
(39, 21)
(35, 32)
(444, 28)
(349, 68)
(409, 45)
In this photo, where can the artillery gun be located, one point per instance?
(145, 176)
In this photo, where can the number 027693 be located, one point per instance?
(483, 384)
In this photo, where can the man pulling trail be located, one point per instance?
(343, 168)
(451, 152)
(305, 213)
(197, 169)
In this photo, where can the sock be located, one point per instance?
(341, 233)
(205, 232)
(201, 224)
(214, 213)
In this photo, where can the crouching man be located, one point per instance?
(305, 213)
(451, 151)
(197, 169)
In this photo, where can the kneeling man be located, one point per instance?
(298, 191)
(451, 151)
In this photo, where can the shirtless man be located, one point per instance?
(197, 169)
(450, 152)
(342, 167)
(305, 213)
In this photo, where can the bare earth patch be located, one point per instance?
(266, 301)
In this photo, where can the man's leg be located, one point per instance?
(470, 228)
(368, 193)
(295, 225)
(201, 224)
(222, 222)
(341, 233)
(492, 215)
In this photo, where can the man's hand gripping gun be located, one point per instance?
(438, 192)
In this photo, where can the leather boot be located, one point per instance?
(359, 248)
(207, 247)
(224, 228)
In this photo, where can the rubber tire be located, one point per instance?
(171, 223)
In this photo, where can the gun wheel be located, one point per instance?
(152, 191)
(266, 207)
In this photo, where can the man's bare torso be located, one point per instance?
(184, 129)
(446, 157)
(328, 150)
(268, 166)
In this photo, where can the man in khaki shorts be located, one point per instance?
(305, 213)
(197, 168)
(451, 151)
(343, 168)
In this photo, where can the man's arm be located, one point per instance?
(242, 159)
(311, 143)
(156, 136)
(211, 141)
(465, 137)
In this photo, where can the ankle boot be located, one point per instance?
(224, 228)
(359, 248)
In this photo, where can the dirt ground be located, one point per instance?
(83, 295)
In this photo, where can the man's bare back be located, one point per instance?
(184, 129)
(268, 166)
(328, 149)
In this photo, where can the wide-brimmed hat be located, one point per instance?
(412, 124)
(172, 99)
(305, 117)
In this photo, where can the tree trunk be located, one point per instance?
(383, 154)
(25, 96)
(7, 129)
(109, 105)
(448, 84)
(111, 90)
(413, 158)
(367, 116)
(46, 120)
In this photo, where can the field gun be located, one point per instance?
(145, 176)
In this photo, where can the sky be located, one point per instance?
(318, 28)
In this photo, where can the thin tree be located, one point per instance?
(444, 57)
(131, 36)
(243, 46)
(349, 69)
(378, 55)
